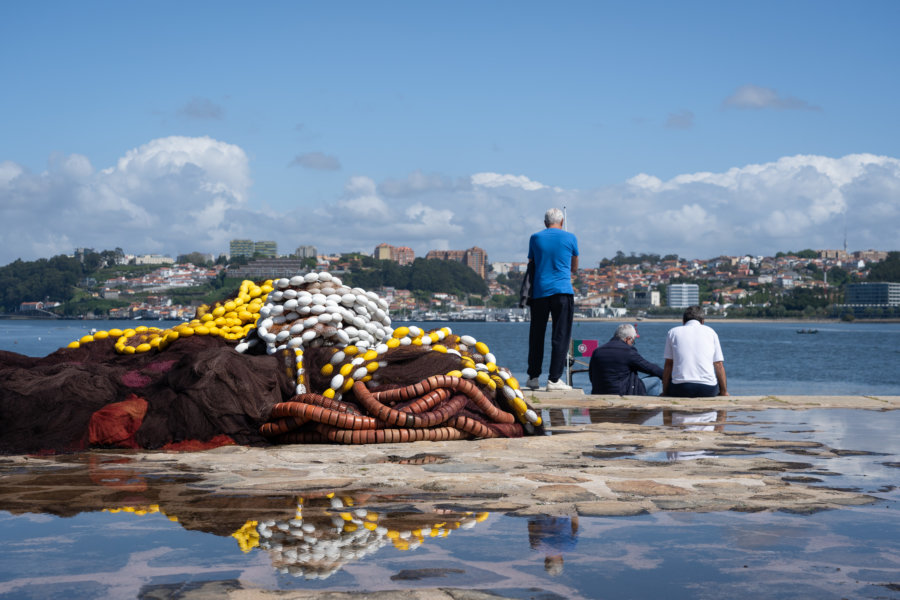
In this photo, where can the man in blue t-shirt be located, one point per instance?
(554, 252)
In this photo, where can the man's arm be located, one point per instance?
(639, 363)
(719, 367)
(574, 265)
(667, 376)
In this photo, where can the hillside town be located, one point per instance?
(633, 286)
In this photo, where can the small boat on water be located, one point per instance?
(807, 331)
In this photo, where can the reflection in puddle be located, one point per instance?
(820, 435)
(331, 530)
(689, 420)
(309, 536)
(418, 459)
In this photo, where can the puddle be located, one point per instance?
(94, 526)
(329, 531)
(842, 442)
(417, 459)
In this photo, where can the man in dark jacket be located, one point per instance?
(615, 366)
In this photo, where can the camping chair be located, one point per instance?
(579, 349)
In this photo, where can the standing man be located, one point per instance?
(694, 365)
(554, 253)
(615, 366)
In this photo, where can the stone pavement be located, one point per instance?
(592, 468)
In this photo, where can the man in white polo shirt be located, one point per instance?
(694, 367)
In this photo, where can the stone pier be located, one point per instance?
(592, 468)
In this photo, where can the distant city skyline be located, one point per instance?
(478, 261)
(695, 129)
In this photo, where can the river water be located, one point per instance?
(761, 358)
(136, 537)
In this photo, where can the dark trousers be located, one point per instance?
(692, 390)
(562, 308)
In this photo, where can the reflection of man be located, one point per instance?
(553, 536)
(713, 420)
(694, 366)
(555, 255)
(615, 366)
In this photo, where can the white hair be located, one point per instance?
(625, 331)
(553, 216)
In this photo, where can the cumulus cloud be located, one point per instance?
(317, 161)
(361, 201)
(758, 97)
(177, 195)
(155, 198)
(201, 108)
(494, 180)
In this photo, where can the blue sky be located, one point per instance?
(695, 128)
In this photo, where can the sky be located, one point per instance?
(694, 128)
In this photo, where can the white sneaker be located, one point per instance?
(533, 383)
(557, 386)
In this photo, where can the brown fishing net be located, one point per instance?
(195, 390)
(200, 393)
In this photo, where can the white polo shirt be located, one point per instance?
(693, 348)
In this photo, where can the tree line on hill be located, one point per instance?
(620, 259)
(70, 281)
(423, 276)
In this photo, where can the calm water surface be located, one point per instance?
(760, 358)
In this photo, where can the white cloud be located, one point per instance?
(360, 203)
(426, 222)
(647, 182)
(165, 196)
(176, 195)
(493, 180)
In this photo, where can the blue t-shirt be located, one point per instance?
(552, 250)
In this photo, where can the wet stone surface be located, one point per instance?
(607, 451)
(317, 510)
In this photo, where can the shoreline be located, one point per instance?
(714, 319)
(672, 319)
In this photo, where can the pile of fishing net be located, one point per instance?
(300, 360)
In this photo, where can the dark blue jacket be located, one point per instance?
(614, 369)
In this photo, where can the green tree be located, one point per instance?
(51, 279)
(837, 276)
(886, 270)
(195, 258)
(798, 299)
(503, 301)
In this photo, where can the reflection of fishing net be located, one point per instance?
(305, 359)
(328, 532)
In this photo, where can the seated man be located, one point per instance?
(694, 365)
(615, 365)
